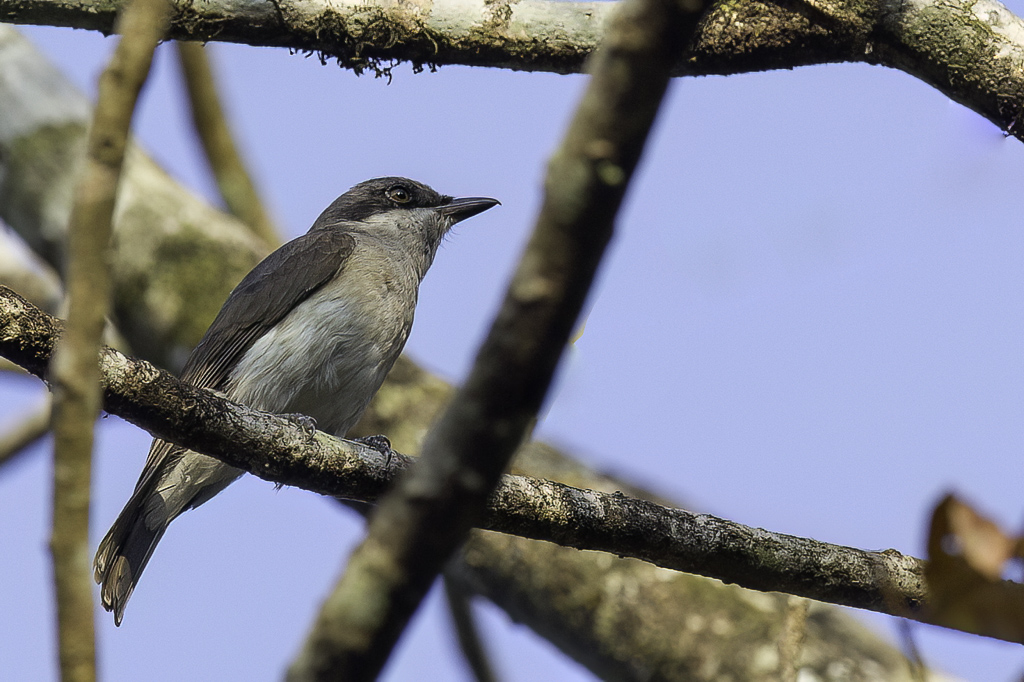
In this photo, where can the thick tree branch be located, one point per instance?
(275, 449)
(970, 50)
(361, 35)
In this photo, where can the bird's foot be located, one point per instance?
(304, 422)
(381, 444)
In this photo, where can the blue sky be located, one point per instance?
(809, 321)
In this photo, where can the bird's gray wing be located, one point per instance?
(270, 291)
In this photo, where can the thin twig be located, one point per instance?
(791, 640)
(233, 179)
(918, 670)
(471, 645)
(26, 431)
(75, 373)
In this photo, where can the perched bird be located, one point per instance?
(312, 330)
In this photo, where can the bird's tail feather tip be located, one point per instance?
(120, 560)
(117, 586)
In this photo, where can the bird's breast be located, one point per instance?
(330, 354)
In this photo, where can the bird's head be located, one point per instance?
(408, 207)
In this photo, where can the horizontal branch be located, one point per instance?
(968, 49)
(360, 34)
(275, 449)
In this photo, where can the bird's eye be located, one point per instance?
(399, 195)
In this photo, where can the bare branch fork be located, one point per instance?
(276, 450)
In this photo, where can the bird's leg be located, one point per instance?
(379, 443)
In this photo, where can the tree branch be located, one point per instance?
(792, 638)
(170, 279)
(174, 258)
(967, 49)
(233, 180)
(430, 512)
(74, 372)
(275, 449)
(621, 618)
(460, 606)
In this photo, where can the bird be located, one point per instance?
(310, 332)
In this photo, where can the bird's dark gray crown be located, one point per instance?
(378, 196)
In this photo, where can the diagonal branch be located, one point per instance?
(460, 606)
(276, 450)
(430, 512)
(28, 430)
(170, 277)
(236, 185)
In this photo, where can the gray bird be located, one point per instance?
(312, 330)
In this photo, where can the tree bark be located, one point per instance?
(74, 372)
(648, 627)
(969, 50)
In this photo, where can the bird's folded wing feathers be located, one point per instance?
(284, 279)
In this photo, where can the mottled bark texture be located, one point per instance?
(626, 619)
(970, 50)
(173, 266)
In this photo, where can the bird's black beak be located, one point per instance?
(466, 207)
